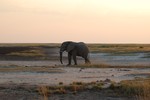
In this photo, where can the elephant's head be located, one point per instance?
(66, 46)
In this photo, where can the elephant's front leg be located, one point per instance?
(69, 59)
(74, 58)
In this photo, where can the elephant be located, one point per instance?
(74, 49)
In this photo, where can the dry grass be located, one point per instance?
(139, 88)
(109, 66)
(74, 87)
(110, 48)
(44, 91)
(119, 48)
(29, 44)
(28, 53)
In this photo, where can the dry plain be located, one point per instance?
(33, 72)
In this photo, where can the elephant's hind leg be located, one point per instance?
(87, 61)
(75, 59)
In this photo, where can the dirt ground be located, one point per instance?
(23, 69)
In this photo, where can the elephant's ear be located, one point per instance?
(70, 47)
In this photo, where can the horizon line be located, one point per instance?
(61, 42)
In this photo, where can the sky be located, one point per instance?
(90, 21)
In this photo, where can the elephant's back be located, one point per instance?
(83, 47)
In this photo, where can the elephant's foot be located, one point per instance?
(75, 64)
(87, 62)
(68, 64)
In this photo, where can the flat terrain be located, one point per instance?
(26, 67)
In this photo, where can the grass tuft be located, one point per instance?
(44, 91)
(139, 88)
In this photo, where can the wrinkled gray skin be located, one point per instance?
(74, 49)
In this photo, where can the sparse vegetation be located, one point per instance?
(138, 88)
(29, 44)
(109, 66)
(109, 48)
(28, 53)
(74, 87)
(119, 48)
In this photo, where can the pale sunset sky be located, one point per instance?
(90, 21)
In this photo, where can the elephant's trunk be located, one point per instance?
(61, 57)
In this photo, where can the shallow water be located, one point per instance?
(96, 58)
(127, 59)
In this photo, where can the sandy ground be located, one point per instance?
(68, 75)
